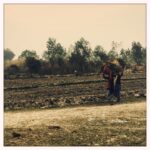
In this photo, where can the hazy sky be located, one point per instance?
(28, 26)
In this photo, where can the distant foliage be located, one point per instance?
(127, 57)
(8, 54)
(100, 53)
(13, 69)
(144, 56)
(112, 54)
(55, 53)
(78, 59)
(33, 64)
(28, 53)
(81, 55)
(137, 52)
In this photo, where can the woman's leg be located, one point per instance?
(117, 90)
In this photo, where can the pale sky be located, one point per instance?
(28, 26)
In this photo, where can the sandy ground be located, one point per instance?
(63, 116)
(121, 124)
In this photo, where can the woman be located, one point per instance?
(113, 71)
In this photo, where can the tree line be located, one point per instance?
(80, 58)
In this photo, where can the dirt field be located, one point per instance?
(60, 91)
(108, 125)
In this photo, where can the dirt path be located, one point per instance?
(119, 124)
(36, 118)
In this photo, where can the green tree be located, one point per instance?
(112, 54)
(81, 55)
(55, 53)
(28, 53)
(13, 69)
(8, 54)
(137, 52)
(126, 56)
(33, 64)
(100, 54)
(144, 56)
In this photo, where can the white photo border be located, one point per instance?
(2, 2)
